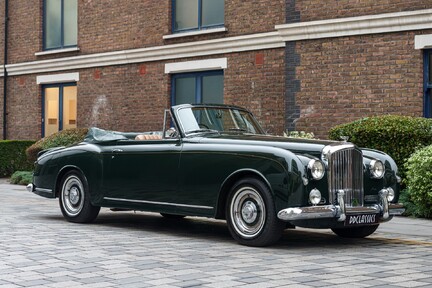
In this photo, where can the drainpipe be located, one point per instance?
(6, 19)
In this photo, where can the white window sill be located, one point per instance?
(195, 33)
(196, 66)
(57, 51)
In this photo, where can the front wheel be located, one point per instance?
(251, 214)
(74, 199)
(355, 232)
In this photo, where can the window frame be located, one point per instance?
(200, 27)
(198, 83)
(61, 89)
(427, 91)
(44, 34)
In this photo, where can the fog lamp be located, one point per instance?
(377, 169)
(315, 196)
(316, 168)
(391, 194)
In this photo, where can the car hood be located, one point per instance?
(295, 145)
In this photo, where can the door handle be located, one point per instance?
(116, 150)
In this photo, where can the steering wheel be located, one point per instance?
(203, 126)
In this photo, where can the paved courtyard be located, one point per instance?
(38, 248)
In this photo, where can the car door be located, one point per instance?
(201, 174)
(142, 172)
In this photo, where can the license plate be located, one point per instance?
(364, 219)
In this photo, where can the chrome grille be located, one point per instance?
(345, 167)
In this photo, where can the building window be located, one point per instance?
(427, 84)
(189, 15)
(59, 108)
(190, 88)
(60, 24)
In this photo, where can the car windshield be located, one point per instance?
(218, 119)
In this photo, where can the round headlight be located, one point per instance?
(377, 169)
(316, 168)
(391, 194)
(315, 196)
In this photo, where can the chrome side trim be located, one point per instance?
(43, 190)
(47, 193)
(158, 203)
(30, 187)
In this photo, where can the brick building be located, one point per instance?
(297, 64)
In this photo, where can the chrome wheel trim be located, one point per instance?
(247, 212)
(72, 195)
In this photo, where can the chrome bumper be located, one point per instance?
(30, 188)
(385, 209)
(47, 193)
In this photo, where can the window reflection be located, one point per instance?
(197, 14)
(60, 23)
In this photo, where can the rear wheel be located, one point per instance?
(74, 199)
(251, 214)
(355, 232)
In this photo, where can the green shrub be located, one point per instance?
(299, 134)
(398, 136)
(62, 138)
(410, 208)
(13, 156)
(21, 177)
(419, 181)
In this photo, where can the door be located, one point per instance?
(142, 173)
(59, 108)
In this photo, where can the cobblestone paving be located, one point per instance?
(38, 248)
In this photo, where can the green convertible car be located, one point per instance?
(216, 161)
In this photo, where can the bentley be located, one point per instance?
(216, 161)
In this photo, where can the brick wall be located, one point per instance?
(24, 108)
(110, 26)
(1, 78)
(255, 16)
(343, 79)
(1, 109)
(124, 98)
(311, 10)
(25, 30)
(256, 80)
(133, 97)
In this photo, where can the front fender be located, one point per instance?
(281, 170)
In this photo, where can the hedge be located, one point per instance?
(21, 177)
(398, 136)
(62, 138)
(13, 157)
(419, 182)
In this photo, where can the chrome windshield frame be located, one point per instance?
(187, 132)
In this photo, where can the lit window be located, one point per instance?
(59, 108)
(197, 14)
(60, 24)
